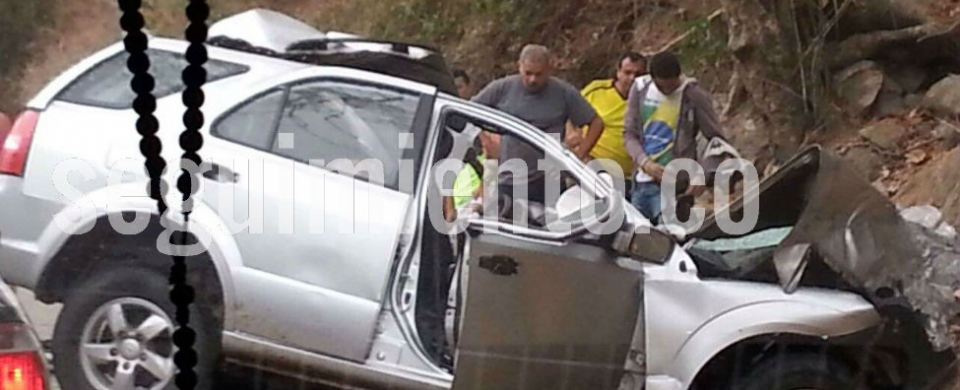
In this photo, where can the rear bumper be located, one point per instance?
(24, 221)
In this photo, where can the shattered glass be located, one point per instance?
(762, 239)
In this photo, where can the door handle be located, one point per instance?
(499, 265)
(219, 173)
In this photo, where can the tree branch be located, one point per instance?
(867, 45)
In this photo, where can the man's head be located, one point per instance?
(490, 142)
(629, 67)
(665, 70)
(464, 86)
(535, 67)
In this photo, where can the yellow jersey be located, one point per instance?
(611, 107)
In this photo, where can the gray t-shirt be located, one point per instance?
(547, 109)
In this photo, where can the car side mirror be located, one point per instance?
(648, 244)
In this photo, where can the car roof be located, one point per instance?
(273, 34)
(272, 45)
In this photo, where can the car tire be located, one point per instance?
(798, 372)
(138, 292)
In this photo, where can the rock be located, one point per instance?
(908, 77)
(943, 98)
(885, 135)
(926, 216)
(912, 100)
(947, 133)
(859, 85)
(890, 85)
(889, 100)
(946, 231)
(916, 156)
(889, 103)
(936, 183)
(865, 161)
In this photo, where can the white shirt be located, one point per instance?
(654, 98)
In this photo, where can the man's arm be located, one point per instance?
(590, 139)
(449, 210)
(708, 122)
(581, 113)
(633, 129)
(574, 136)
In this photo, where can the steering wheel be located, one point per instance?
(535, 214)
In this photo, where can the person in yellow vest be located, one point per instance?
(609, 98)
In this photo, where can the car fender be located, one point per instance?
(113, 200)
(831, 318)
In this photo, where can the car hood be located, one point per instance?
(839, 218)
(265, 28)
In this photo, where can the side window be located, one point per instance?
(353, 129)
(107, 84)
(534, 189)
(252, 123)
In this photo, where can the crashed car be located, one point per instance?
(532, 297)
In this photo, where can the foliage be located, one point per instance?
(704, 44)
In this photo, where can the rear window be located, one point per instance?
(108, 83)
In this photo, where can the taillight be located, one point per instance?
(21, 371)
(13, 154)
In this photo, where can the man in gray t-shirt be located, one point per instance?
(546, 103)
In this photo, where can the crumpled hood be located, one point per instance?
(840, 218)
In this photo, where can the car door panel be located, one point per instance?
(296, 288)
(541, 316)
(318, 250)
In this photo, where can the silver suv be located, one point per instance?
(315, 268)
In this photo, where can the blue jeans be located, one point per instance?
(646, 198)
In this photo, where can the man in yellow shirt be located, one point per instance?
(609, 98)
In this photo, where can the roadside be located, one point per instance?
(43, 316)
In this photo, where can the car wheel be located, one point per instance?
(798, 372)
(116, 332)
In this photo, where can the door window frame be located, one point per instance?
(590, 181)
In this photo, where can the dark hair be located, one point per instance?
(633, 56)
(665, 66)
(461, 74)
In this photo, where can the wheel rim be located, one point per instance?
(127, 344)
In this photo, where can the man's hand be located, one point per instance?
(449, 211)
(590, 139)
(696, 190)
(574, 136)
(654, 170)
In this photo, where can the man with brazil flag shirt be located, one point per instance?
(665, 112)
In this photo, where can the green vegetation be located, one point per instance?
(705, 44)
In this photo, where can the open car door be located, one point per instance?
(545, 315)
